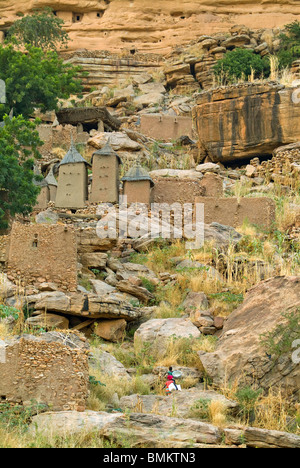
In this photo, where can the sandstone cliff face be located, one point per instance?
(246, 120)
(152, 26)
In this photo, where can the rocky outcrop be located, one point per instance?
(141, 429)
(157, 332)
(246, 120)
(154, 430)
(152, 27)
(107, 364)
(240, 355)
(180, 405)
(88, 306)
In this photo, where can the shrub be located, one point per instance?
(279, 340)
(35, 79)
(240, 64)
(6, 312)
(290, 45)
(40, 29)
(247, 398)
(19, 142)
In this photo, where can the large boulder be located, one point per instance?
(142, 429)
(154, 430)
(243, 121)
(86, 305)
(183, 401)
(240, 355)
(7, 288)
(158, 332)
(111, 330)
(107, 364)
(48, 321)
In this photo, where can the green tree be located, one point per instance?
(19, 143)
(35, 80)
(290, 45)
(40, 29)
(239, 63)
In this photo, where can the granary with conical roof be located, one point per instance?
(137, 185)
(105, 184)
(52, 185)
(72, 187)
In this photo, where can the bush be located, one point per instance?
(35, 80)
(19, 142)
(239, 64)
(279, 341)
(40, 29)
(6, 312)
(290, 45)
(247, 398)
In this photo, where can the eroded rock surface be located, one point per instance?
(246, 120)
(240, 355)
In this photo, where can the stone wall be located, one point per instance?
(47, 373)
(59, 137)
(40, 253)
(233, 212)
(283, 168)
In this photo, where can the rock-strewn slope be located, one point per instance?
(155, 26)
(240, 354)
(153, 430)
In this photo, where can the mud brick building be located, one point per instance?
(36, 371)
(72, 190)
(105, 185)
(40, 252)
(138, 185)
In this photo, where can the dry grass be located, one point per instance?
(184, 352)
(114, 385)
(165, 311)
(10, 439)
(274, 411)
(218, 413)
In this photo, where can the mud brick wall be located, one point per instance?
(233, 212)
(170, 190)
(166, 127)
(43, 253)
(46, 373)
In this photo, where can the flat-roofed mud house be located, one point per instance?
(105, 184)
(138, 185)
(43, 253)
(72, 189)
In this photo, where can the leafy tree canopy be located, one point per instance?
(19, 143)
(35, 80)
(239, 63)
(290, 45)
(40, 29)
